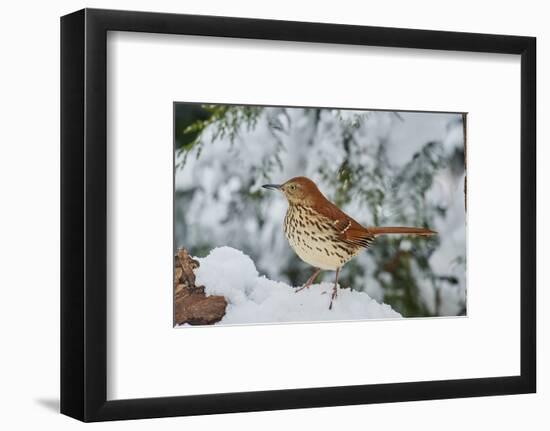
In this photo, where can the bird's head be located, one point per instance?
(298, 190)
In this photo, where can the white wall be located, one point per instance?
(29, 166)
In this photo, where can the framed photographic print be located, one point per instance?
(262, 215)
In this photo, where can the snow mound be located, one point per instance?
(255, 299)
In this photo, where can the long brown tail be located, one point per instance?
(401, 230)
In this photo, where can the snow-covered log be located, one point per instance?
(191, 304)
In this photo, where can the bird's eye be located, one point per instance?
(292, 187)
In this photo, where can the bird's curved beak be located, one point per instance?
(272, 186)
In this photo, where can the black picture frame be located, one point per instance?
(84, 214)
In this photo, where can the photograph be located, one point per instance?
(311, 214)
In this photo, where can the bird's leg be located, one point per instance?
(335, 289)
(310, 280)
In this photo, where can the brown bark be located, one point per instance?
(191, 304)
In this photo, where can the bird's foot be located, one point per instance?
(309, 281)
(305, 286)
(334, 296)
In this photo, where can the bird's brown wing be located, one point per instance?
(355, 234)
(349, 230)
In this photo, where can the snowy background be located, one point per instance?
(381, 167)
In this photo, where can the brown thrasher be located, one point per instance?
(321, 234)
